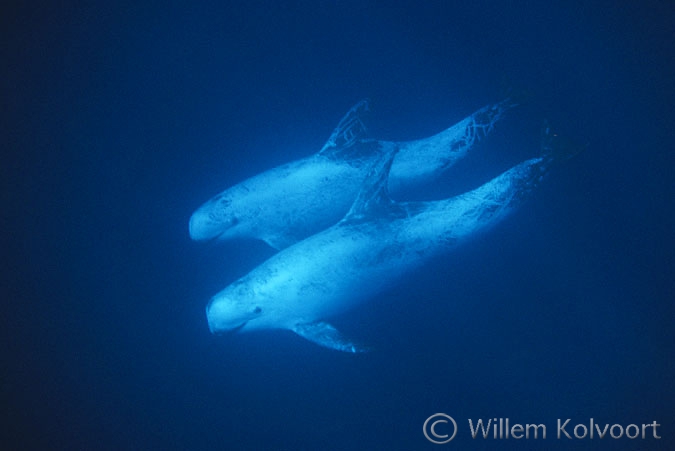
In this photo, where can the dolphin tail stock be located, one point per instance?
(427, 158)
(482, 122)
(327, 336)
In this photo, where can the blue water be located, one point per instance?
(120, 119)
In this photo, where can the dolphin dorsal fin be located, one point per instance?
(373, 199)
(349, 131)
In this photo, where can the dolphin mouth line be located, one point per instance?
(239, 327)
(215, 238)
(232, 331)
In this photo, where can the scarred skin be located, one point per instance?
(378, 242)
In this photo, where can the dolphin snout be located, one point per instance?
(209, 223)
(202, 227)
(210, 318)
(223, 319)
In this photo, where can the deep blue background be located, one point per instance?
(119, 119)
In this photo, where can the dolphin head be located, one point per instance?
(215, 219)
(228, 312)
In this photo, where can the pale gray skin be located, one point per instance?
(288, 203)
(374, 245)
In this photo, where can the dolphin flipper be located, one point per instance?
(281, 240)
(327, 336)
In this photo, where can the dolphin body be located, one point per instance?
(376, 243)
(288, 203)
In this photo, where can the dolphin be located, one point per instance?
(377, 242)
(288, 203)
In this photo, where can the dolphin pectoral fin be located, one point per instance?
(327, 336)
(280, 242)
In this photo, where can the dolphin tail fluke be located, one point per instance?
(327, 336)
(555, 148)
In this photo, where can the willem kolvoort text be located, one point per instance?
(501, 428)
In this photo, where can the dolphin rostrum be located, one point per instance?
(288, 203)
(376, 243)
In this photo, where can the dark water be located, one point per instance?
(121, 118)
